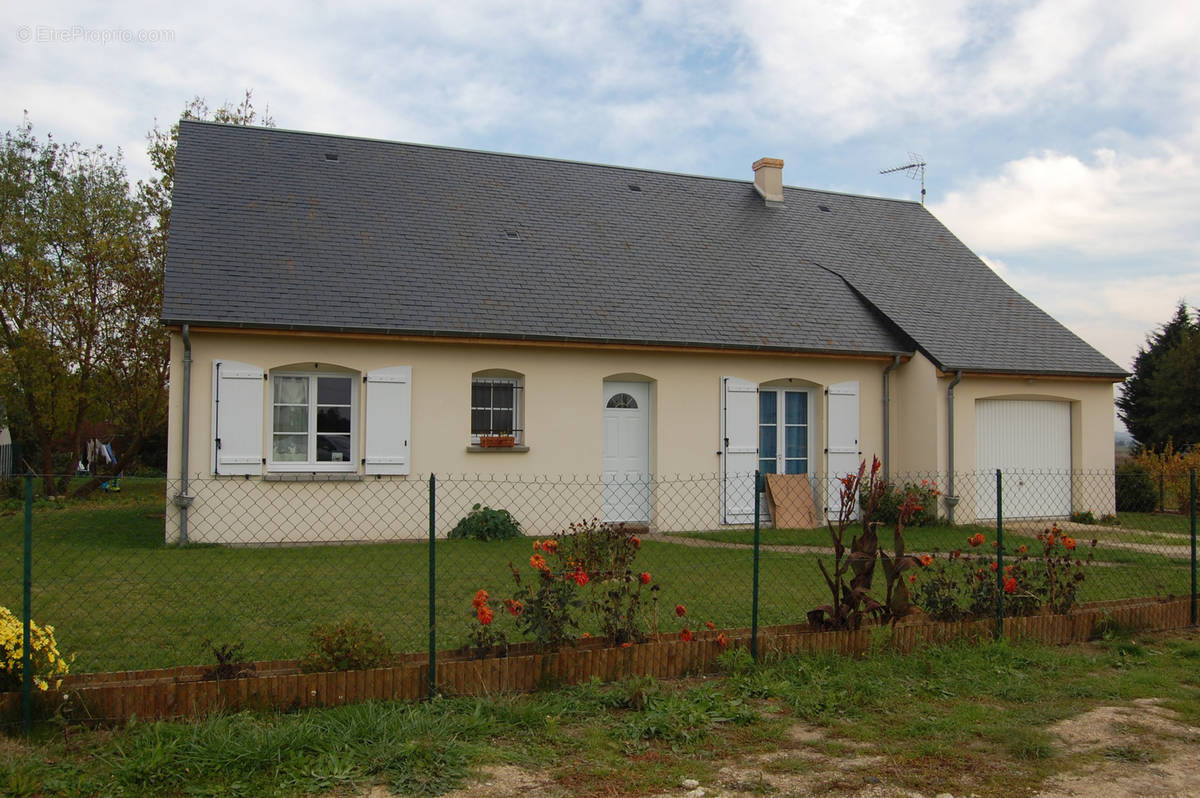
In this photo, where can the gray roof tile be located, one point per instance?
(403, 238)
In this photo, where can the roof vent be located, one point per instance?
(768, 180)
(824, 208)
(331, 156)
(634, 187)
(512, 235)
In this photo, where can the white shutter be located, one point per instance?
(842, 440)
(389, 421)
(739, 447)
(237, 418)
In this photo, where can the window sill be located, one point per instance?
(313, 476)
(497, 449)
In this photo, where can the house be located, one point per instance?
(348, 314)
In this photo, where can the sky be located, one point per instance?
(1061, 137)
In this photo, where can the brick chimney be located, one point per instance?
(768, 180)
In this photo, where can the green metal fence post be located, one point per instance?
(27, 613)
(432, 586)
(1192, 498)
(754, 593)
(999, 555)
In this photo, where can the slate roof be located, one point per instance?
(268, 231)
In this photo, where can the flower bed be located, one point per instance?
(279, 685)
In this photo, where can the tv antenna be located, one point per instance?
(915, 169)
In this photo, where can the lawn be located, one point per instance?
(121, 599)
(959, 718)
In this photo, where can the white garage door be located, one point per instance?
(1030, 442)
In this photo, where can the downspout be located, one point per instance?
(887, 417)
(951, 496)
(182, 500)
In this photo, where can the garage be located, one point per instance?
(1029, 440)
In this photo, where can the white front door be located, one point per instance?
(626, 466)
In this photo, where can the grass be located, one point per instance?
(121, 599)
(952, 718)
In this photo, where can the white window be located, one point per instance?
(496, 407)
(783, 431)
(313, 421)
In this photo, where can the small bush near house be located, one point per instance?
(1136, 492)
(484, 523)
(47, 663)
(231, 661)
(1083, 517)
(347, 646)
(919, 499)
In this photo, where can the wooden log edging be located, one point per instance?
(279, 686)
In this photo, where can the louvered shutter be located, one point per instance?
(842, 438)
(739, 447)
(389, 421)
(237, 418)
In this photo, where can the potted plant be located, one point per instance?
(500, 441)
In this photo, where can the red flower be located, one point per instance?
(1022, 549)
(685, 635)
(480, 599)
(626, 644)
(875, 465)
(550, 546)
(912, 577)
(1050, 538)
(645, 577)
(926, 560)
(484, 614)
(580, 576)
(514, 607)
(680, 610)
(1069, 542)
(637, 544)
(1010, 585)
(539, 562)
(710, 624)
(977, 539)
(722, 640)
(994, 566)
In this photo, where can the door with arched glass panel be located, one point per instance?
(626, 461)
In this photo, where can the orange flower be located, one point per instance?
(977, 539)
(926, 560)
(637, 544)
(680, 610)
(1022, 549)
(1050, 538)
(539, 562)
(550, 546)
(685, 635)
(1010, 585)
(1007, 570)
(722, 640)
(537, 545)
(626, 644)
(514, 607)
(710, 624)
(484, 614)
(645, 577)
(480, 599)
(912, 577)
(1069, 542)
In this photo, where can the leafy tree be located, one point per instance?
(1156, 402)
(82, 257)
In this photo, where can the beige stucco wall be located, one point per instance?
(920, 432)
(563, 430)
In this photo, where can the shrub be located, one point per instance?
(484, 523)
(231, 660)
(920, 500)
(1136, 492)
(1083, 517)
(47, 662)
(347, 646)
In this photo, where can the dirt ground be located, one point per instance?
(1137, 750)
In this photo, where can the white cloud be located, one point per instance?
(1109, 204)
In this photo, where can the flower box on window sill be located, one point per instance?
(497, 441)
